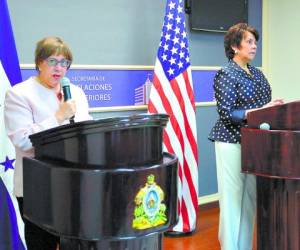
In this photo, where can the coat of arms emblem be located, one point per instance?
(149, 210)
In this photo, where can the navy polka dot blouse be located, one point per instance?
(235, 92)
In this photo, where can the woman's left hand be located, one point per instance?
(274, 103)
(268, 105)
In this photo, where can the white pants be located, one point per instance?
(237, 199)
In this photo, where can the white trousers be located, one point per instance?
(237, 199)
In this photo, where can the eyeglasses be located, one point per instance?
(63, 62)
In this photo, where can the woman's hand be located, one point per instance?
(66, 111)
(268, 105)
(273, 103)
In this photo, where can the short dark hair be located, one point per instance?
(234, 37)
(49, 46)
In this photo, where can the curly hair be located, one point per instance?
(234, 37)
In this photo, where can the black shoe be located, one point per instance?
(178, 234)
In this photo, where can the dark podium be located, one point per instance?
(103, 184)
(274, 157)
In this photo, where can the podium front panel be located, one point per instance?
(104, 203)
(272, 153)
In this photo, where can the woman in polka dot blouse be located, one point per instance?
(239, 88)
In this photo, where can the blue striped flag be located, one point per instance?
(11, 224)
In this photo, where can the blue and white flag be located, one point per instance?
(11, 224)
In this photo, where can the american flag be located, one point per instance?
(172, 93)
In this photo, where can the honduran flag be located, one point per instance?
(11, 224)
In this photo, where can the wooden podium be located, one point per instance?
(103, 184)
(274, 157)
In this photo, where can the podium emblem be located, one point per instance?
(150, 211)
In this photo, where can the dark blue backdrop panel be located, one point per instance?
(203, 85)
(110, 88)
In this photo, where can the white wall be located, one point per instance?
(281, 47)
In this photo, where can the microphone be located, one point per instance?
(265, 126)
(65, 84)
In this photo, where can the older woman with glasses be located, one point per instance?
(36, 105)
